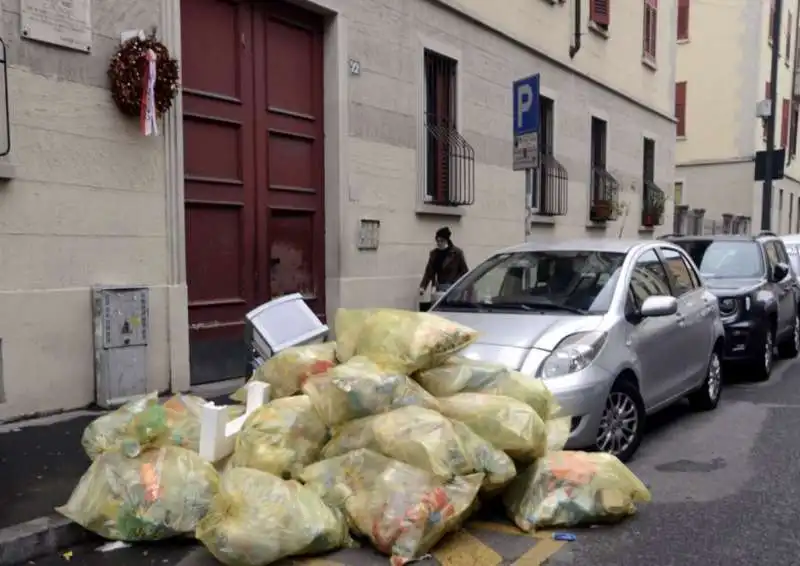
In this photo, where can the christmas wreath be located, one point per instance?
(128, 71)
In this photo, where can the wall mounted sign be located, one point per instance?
(66, 23)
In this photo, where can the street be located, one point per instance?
(724, 492)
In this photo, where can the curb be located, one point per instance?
(37, 538)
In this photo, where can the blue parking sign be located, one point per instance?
(526, 105)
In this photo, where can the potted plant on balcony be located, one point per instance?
(654, 209)
(602, 210)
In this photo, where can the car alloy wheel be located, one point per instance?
(619, 426)
(714, 377)
(768, 352)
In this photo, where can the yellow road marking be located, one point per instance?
(463, 549)
(544, 549)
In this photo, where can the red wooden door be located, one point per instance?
(289, 145)
(243, 243)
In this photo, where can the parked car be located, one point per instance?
(792, 243)
(757, 292)
(617, 329)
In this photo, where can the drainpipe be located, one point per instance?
(793, 125)
(576, 41)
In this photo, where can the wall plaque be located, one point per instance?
(67, 23)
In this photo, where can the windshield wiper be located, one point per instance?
(508, 305)
(461, 305)
(550, 306)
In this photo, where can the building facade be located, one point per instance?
(316, 147)
(724, 59)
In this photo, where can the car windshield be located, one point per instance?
(578, 282)
(720, 259)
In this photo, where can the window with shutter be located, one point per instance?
(788, 38)
(650, 27)
(680, 108)
(683, 20)
(785, 122)
(600, 12)
(793, 132)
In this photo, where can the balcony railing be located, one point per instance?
(450, 179)
(653, 200)
(604, 204)
(553, 187)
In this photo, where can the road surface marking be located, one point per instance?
(543, 550)
(463, 549)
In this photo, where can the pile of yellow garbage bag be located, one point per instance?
(387, 436)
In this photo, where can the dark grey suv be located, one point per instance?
(757, 293)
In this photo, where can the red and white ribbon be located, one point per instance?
(147, 119)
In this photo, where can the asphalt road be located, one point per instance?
(725, 484)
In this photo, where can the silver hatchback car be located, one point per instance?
(617, 329)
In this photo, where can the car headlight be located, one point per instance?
(728, 307)
(573, 354)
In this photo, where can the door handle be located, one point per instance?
(681, 319)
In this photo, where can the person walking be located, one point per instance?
(446, 264)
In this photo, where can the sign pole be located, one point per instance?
(766, 193)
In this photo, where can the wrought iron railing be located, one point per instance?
(553, 186)
(604, 204)
(450, 177)
(653, 201)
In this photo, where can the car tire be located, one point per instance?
(707, 397)
(623, 399)
(790, 347)
(762, 365)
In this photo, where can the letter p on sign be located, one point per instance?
(524, 103)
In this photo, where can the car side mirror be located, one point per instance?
(780, 271)
(660, 305)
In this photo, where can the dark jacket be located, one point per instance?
(450, 268)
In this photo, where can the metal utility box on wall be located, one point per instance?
(121, 333)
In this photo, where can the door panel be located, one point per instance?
(219, 178)
(290, 144)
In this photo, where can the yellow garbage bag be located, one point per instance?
(159, 494)
(257, 519)
(281, 438)
(107, 432)
(176, 422)
(347, 326)
(404, 511)
(568, 489)
(510, 425)
(287, 370)
(408, 341)
(360, 388)
(425, 439)
(459, 375)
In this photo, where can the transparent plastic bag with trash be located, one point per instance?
(347, 326)
(462, 375)
(360, 388)
(287, 371)
(569, 489)
(258, 519)
(403, 510)
(159, 494)
(107, 432)
(427, 440)
(408, 341)
(508, 424)
(176, 422)
(281, 437)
